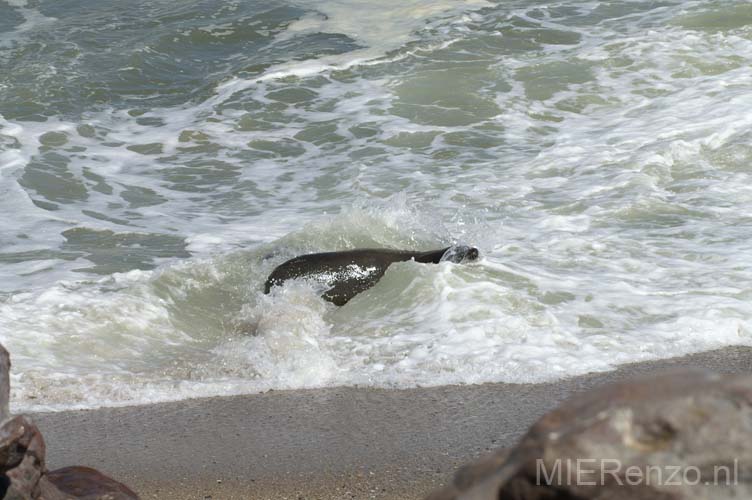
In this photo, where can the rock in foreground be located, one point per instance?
(680, 435)
(22, 453)
(87, 483)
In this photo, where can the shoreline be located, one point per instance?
(331, 443)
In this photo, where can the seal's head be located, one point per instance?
(460, 253)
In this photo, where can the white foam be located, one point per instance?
(379, 28)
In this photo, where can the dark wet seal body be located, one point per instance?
(350, 272)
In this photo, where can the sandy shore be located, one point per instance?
(318, 444)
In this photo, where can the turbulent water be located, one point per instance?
(159, 159)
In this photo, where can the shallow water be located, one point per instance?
(157, 161)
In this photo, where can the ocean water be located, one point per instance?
(159, 159)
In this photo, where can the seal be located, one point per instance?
(348, 273)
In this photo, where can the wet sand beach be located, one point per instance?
(331, 443)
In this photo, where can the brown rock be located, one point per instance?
(680, 435)
(84, 483)
(22, 453)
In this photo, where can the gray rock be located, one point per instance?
(680, 435)
(4, 384)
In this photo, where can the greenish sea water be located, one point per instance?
(159, 159)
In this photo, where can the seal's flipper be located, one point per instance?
(343, 291)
